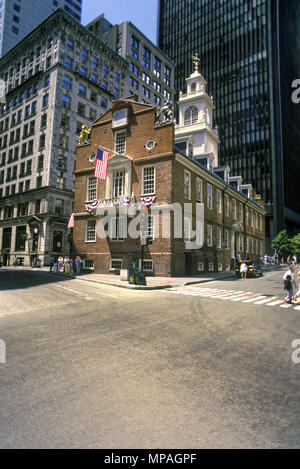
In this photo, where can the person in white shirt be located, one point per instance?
(297, 294)
(243, 270)
(290, 273)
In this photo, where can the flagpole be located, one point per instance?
(112, 151)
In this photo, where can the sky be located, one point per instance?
(142, 13)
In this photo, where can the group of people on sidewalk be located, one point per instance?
(65, 265)
(290, 285)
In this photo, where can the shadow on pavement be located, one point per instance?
(21, 279)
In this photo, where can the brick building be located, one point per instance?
(147, 160)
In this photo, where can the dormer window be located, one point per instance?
(191, 115)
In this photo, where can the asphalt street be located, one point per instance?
(95, 366)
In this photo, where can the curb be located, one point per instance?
(144, 287)
(132, 287)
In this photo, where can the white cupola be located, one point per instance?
(196, 122)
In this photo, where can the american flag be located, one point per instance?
(71, 221)
(101, 164)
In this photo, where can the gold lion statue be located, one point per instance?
(84, 134)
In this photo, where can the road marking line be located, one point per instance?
(297, 308)
(82, 293)
(262, 302)
(241, 298)
(254, 299)
(285, 306)
(275, 302)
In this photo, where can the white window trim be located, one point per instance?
(219, 239)
(87, 188)
(199, 181)
(86, 232)
(226, 205)
(115, 140)
(88, 268)
(210, 267)
(219, 208)
(154, 185)
(115, 268)
(146, 260)
(201, 263)
(117, 239)
(190, 184)
(210, 206)
(209, 228)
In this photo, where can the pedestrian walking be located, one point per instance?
(51, 263)
(243, 270)
(60, 263)
(78, 263)
(15, 261)
(297, 294)
(289, 284)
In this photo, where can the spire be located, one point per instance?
(196, 61)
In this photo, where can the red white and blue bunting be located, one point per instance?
(147, 201)
(92, 206)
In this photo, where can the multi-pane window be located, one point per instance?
(199, 190)
(20, 238)
(209, 197)
(117, 229)
(234, 209)
(226, 239)
(149, 180)
(209, 235)
(115, 264)
(241, 213)
(219, 201)
(147, 265)
(120, 141)
(118, 184)
(241, 243)
(81, 109)
(219, 238)
(82, 90)
(187, 184)
(226, 205)
(67, 82)
(191, 115)
(135, 44)
(90, 235)
(146, 57)
(91, 188)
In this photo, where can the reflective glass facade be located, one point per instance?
(241, 44)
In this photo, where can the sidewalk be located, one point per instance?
(153, 283)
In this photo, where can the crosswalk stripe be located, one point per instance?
(254, 299)
(244, 297)
(275, 302)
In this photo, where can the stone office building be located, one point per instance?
(150, 157)
(151, 72)
(59, 77)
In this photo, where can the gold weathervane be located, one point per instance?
(196, 61)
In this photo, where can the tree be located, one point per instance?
(283, 244)
(296, 245)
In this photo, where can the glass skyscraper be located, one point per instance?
(19, 17)
(249, 51)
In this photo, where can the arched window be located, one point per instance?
(191, 115)
(193, 87)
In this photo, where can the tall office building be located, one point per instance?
(59, 77)
(249, 52)
(151, 72)
(19, 17)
